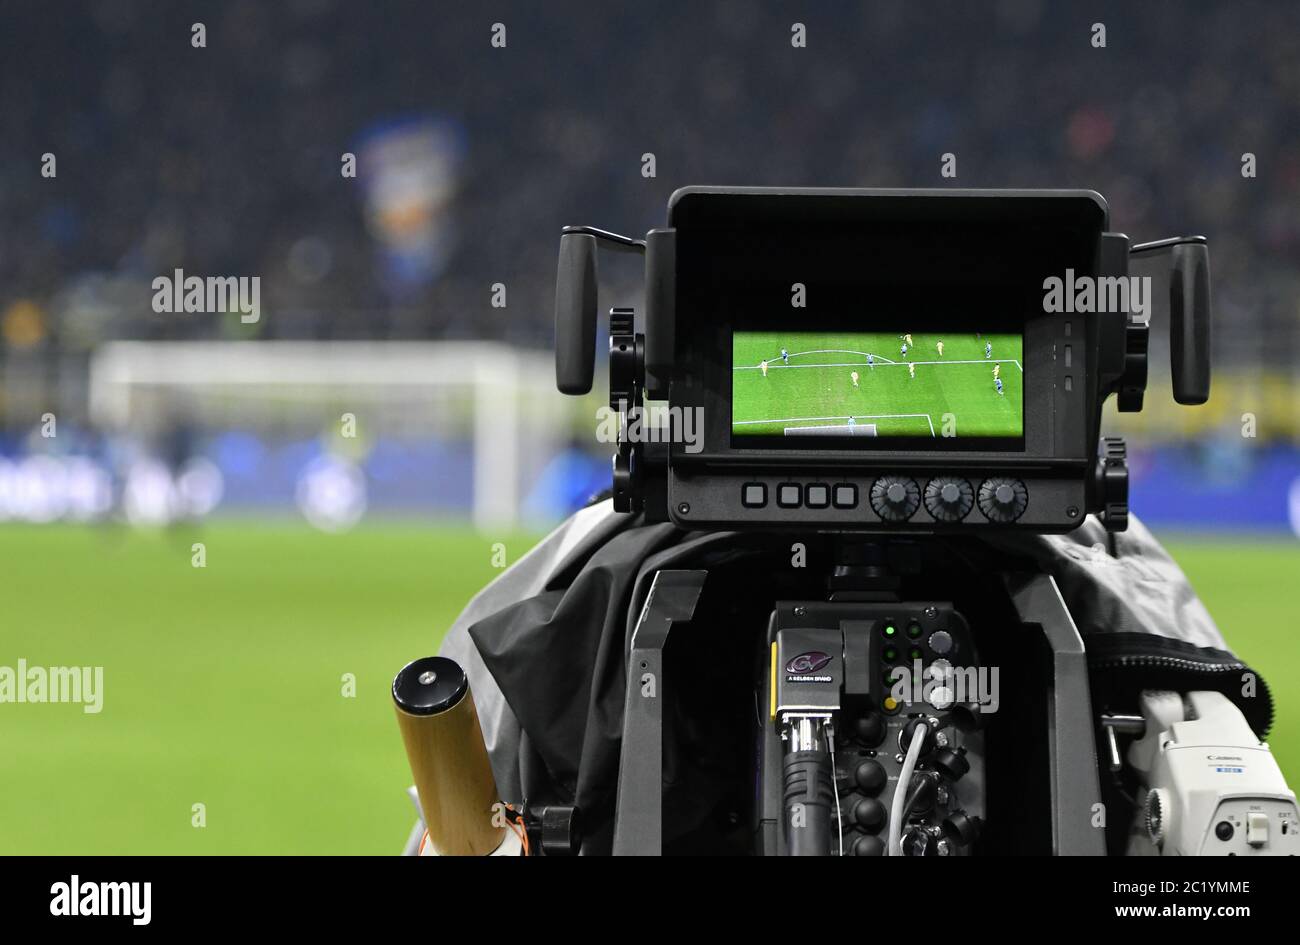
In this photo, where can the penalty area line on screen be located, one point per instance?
(856, 416)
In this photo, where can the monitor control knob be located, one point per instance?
(870, 814)
(870, 776)
(1003, 500)
(868, 846)
(895, 498)
(870, 729)
(949, 499)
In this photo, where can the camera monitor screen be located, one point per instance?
(888, 384)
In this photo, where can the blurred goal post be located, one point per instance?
(500, 398)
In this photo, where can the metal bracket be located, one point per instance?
(638, 819)
(1072, 746)
(614, 241)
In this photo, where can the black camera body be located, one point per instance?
(794, 340)
(873, 376)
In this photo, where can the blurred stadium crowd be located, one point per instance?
(226, 160)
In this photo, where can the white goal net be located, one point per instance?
(499, 399)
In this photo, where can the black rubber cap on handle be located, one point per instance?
(429, 685)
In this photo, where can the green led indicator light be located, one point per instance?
(914, 630)
(891, 654)
(914, 653)
(890, 630)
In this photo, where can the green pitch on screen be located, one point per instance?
(815, 389)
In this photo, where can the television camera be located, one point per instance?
(896, 405)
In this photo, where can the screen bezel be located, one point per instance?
(739, 251)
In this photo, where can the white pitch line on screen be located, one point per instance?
(856, 416)
(797, 354)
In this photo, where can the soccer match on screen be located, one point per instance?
(964, 384)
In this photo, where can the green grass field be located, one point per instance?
(815, 390)
(223, 685)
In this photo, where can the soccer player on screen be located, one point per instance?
(871, 362)
(854, 375)
(998, 382)
(852, 423)
(905, 349)
(939, 345)
(785, 356)
(997, 370)
(911, 370)
(908, 340)
(762, 366)
(988, 349)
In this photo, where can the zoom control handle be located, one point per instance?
(577, 301)
(1181, 267)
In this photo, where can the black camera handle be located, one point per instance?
(576, 303)
(1189, 313)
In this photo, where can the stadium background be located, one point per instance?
(330, 555)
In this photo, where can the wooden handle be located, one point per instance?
(444, 745)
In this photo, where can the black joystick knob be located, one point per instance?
(869, 776)
(870, 729)
(1003, 500)
(949, 499)
(895, 498)
(868, 846)
(869, 813)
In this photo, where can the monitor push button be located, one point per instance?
(845, 496)
(817, 495)
(788, 495)
(753, 495)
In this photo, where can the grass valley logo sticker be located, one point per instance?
(804, 667)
